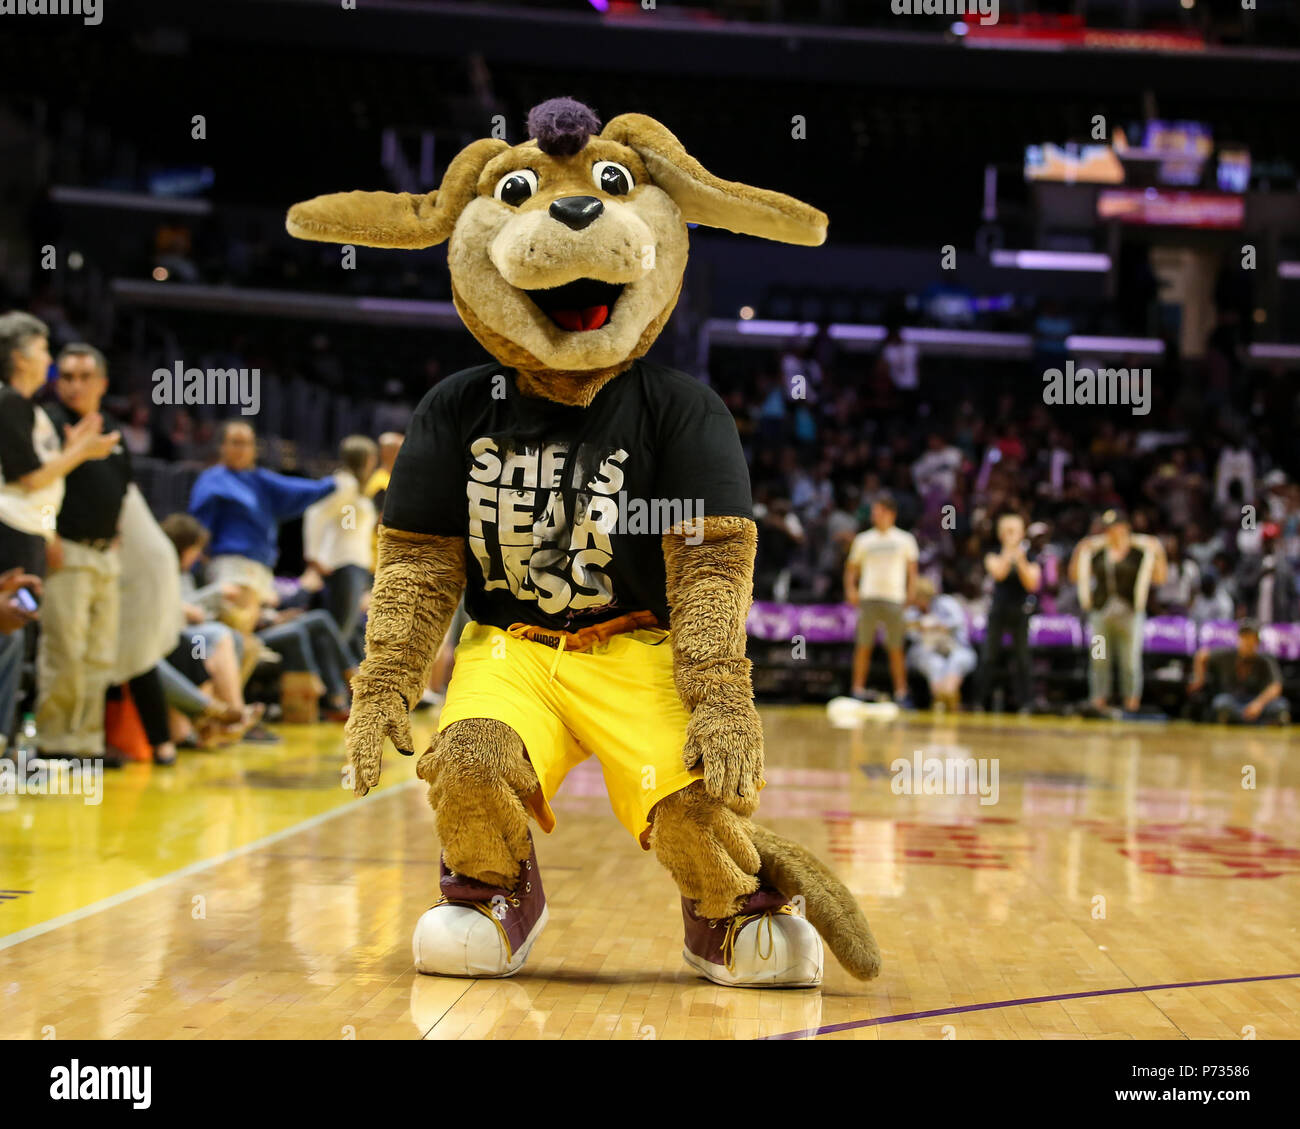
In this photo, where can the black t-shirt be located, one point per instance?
(563, 507)
(18, 456)
(1009, 593)
(1235, 674)
(93, 492)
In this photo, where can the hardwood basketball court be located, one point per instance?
(1124, 885)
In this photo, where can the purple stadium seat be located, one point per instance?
(979, 628)
(1169, 635)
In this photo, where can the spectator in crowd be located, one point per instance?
(1016, 578)
(338, 536)
(1245, 685)
(1212, 603)
(1266, 580)
(309, 641)
(33, 466)
(942, 652)
(207, 655)
(1114, 572)
(880, 578)
(900, 360)
(1182, 580)
(390, 443)
(79, 627)
(242, 505)
(780, 534)
(936, 471)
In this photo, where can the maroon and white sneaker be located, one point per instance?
(481, 930)
(766, 945)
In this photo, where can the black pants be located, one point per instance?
(1013, 621)
(21, 550)
(150, 704)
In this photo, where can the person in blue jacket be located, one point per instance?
(242, 505)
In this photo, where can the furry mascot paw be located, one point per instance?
(374, 717)
(567, 253)
(727, 742)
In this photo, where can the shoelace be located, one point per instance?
(737, 923)
(488, 909)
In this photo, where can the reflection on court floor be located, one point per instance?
(1124, 882)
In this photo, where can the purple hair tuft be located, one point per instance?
(562, 126)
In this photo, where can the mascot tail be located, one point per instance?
(833, 911)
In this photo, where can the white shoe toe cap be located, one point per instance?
(458, 941)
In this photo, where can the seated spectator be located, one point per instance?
(942, 651)
(310, 641)
(208, 654)
(1245, 686)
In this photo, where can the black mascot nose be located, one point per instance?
(577, 212)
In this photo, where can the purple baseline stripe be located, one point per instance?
(881, 1020)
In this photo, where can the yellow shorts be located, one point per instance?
(617, 702)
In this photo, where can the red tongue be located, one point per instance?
(593, 317)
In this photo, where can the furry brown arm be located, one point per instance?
(418, 582)
(710, 587)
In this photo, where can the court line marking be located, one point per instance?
(10, 940)
(880, 1021)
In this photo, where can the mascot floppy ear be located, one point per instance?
(704, 199)
(396, 219)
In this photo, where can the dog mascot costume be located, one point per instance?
(527, 483)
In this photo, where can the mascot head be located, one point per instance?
(566, 251)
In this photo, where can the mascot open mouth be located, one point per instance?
(578, 306)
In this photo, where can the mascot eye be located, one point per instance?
(612, 178)
(516, 187)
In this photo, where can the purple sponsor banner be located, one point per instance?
(828, 623)
(1163, 635)
(1281, 640)
(772, 621)
(1055, 631)
(1169, 635)
(1218, 633)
